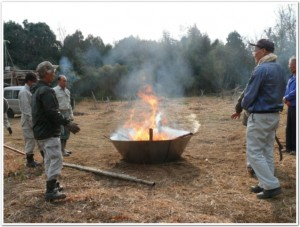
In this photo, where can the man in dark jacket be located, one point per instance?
(263, 100)
(47, 120)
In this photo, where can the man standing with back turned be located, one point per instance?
(47, 120)
(26, 118)
(263, 100)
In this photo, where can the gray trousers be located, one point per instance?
(260, 144)
(28, 134)
(53, 159)
(64, 132)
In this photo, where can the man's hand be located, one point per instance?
(73, 127)
(235, 115)
(9, 130)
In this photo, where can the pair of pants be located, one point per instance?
(26, 124)
(260, 145)
(290, 134)
(53, 159)
(64, 132)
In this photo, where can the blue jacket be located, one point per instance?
(265, 89)
(290, 92)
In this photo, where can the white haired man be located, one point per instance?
(63, 96)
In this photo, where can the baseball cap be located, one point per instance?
(45, 67)
(264, 43)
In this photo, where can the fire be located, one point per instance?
(144, 119)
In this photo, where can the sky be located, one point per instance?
(113, 21)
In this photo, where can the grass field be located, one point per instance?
(209, 184)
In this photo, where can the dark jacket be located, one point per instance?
(46, 117)
(265, 89)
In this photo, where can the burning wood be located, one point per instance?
(147, 122)
(145, 138)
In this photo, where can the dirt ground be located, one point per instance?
(209, 184)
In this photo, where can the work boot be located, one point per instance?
(52, 192)
(30, 161)
(63, 146)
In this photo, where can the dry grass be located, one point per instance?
(208, 185)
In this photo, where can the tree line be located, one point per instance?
(188, 66)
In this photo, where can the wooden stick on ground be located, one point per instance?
(109, 174)
(13, 149)
(97, 171)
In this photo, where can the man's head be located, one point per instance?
(62, 81)
(262, 48)
(30, 78)
(46, 71)
(292, 65)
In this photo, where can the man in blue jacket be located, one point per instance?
(263, 100)
(290, 100)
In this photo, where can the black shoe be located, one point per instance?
(52, 192)
(256, 189)
(267, 194)
(54, 195)
(32, 164)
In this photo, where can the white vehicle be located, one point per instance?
(11, 93)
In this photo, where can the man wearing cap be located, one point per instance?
(263, 100)
(63, 96)
(47, 120)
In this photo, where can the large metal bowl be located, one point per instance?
(150, 152)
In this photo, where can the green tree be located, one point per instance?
(283, 34)
(239, 62)
(41, 44)
(31, 44)
(15, 43)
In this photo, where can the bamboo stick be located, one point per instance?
(97, 171)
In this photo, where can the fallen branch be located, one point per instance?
(109, 174)
(13, 149)
(97, 171)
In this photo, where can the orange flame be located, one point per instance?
(145, 118)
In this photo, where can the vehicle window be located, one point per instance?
(8, 94)
(15, 94)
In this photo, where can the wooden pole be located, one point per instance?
(13, 149)
(97, 171)
(150, 134)
(109, 174)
